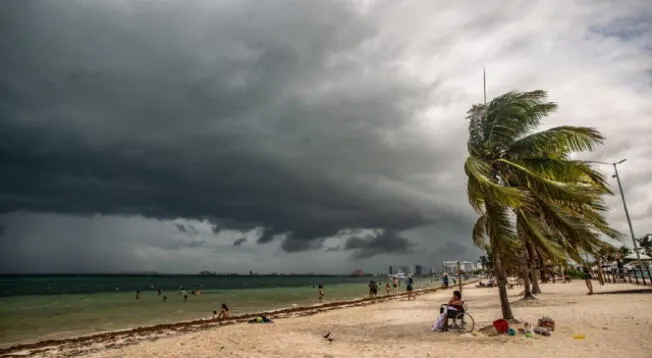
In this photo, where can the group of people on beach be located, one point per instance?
(374, 287)
(182, 292)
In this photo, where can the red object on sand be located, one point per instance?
(501, 325)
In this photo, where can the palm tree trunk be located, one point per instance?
(536, 289)
(501, 279)
(542, 271)
(533, 270)
(527, 295)
(600, 272)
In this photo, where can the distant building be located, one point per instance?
(467, 266)
(391, 270)
(418, 270)
(449, 266)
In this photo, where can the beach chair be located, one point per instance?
(460, 320)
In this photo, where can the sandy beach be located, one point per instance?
(614, 324)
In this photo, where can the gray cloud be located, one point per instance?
(239, 241)
(186, 228)
(454, 250)
(386, 241)
(333, 249)
(294, 125)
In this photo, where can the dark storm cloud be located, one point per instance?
(239, 241)
(248, 114)
(387, 241)
(292, 243)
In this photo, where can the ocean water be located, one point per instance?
(34, 308)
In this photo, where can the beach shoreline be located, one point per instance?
(133, 335)
(394, 326)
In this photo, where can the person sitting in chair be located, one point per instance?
(453, 308)
(456, 302)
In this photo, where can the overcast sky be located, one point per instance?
(278, 136)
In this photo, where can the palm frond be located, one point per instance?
(514, 114)
(564, 139)
(480, 231)
(543, 184)
(500, 229)
(530, 229)
(482, 183)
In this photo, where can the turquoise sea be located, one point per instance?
(39, 307)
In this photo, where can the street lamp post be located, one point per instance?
(622, 196)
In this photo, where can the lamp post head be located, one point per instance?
(621, 161)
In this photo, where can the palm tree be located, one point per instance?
(525, 189)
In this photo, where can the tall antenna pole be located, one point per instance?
(484, 84)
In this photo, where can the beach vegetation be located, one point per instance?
(535, 204)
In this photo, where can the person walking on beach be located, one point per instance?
(587, 279)
(320, 292)
(373, 289)
(387, 288)
(409, 288)
(444, 280)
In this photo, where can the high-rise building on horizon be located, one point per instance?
(391, 270)
(418, 270)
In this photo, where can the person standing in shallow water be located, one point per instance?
(137, 294)
(320, 292)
